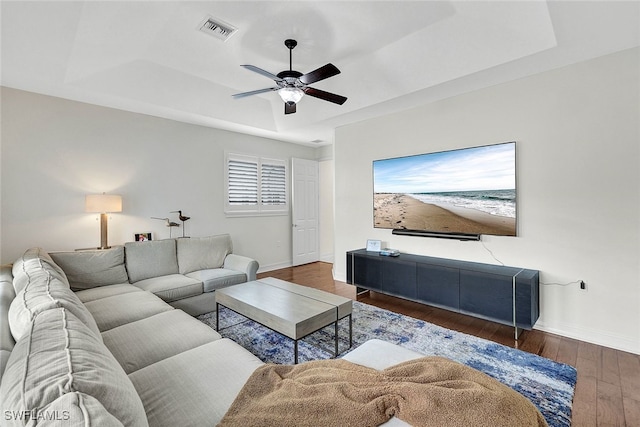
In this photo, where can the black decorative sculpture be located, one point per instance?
(182, 218)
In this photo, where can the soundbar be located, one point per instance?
(437, 234)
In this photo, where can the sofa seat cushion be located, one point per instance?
(217, 278)
(147, 341)
(201, 253)
(171, 287)
(60, 355)
(198, 385)
(106, 291)
(44, 291)
(88, 269)
(118, 310)
(150, 259)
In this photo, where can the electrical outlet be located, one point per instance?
(583, 285)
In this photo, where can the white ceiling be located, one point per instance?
(149, 57)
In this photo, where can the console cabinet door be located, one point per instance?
(398, 277)
(487, 295)
(367, 272)
(438, 285)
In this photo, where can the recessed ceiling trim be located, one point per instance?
(217, 28)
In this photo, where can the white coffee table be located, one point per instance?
(292, 310)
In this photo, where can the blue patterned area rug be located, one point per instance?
(548, 384)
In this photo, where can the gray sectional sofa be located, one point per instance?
(114, 352)
(121, 354)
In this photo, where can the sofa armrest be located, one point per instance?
(247, 265)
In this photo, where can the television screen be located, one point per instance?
(470, 190)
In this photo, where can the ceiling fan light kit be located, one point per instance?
(291, 95)
(292, 84)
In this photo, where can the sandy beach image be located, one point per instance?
(402, 211)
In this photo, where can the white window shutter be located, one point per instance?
(273, 184)
(255, 186)
(242, 184)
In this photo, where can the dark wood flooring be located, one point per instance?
(608, 387)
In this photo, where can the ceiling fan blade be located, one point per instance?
(321, 73)
(263, 72)
(326, 96)
(289, 108)
(254, 92)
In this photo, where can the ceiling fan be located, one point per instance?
(292, 85)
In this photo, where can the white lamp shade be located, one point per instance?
(291, 95)
(103, 203)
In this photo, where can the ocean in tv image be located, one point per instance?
(471, 190)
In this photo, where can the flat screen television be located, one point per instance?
(464, 192)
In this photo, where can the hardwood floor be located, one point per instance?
(608, 387)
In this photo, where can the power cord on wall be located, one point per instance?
(491, 253)
(575, 282)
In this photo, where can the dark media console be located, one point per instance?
(507, 295)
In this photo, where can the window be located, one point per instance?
(255, 186)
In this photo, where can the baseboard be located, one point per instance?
(327, 258)
(340, 276)
(271, 267)
(592, 336)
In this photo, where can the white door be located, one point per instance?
(305, 211)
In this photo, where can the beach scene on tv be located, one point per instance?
(471, 190)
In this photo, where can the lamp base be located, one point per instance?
(103, 231)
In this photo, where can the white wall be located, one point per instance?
(326, 194)
(56, 151)
(577, 130)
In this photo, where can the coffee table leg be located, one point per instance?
(217, 317)
(336, 334)
(295, 352)
(350, 331)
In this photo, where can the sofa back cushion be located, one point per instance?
(61, 355)
(34, 259)
(90, 269)
(150, 259)
(45, 291)
(202, 253)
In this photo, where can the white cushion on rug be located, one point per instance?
(378, 354)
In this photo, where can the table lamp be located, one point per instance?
(103, 204)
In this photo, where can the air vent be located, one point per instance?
(217, 28)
